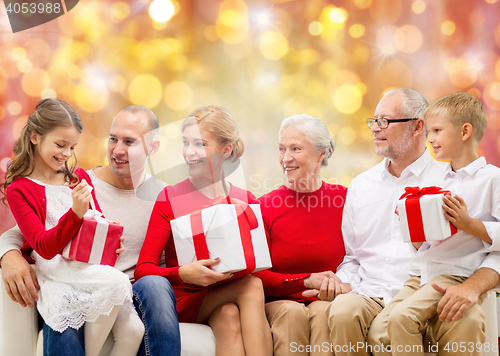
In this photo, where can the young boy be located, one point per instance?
(456, 124)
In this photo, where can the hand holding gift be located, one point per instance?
(200, 274)
(121, 249)
(422, 216)
(81, 195)
(456, 213)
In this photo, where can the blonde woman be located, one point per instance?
(233, 305)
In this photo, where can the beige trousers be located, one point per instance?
(299, 329)
(349, 318)
(411, 325)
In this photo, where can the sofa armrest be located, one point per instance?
(197, 340)
(18, 326)
(19, 332)
(490, 309)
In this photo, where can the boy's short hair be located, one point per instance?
(460, 109)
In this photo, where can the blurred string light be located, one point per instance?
(145, 89)
(49, 94)
(120, 11)
(315, 28)
(14, 108)
(232, 25)
(3, 164)
(448, 28)
(418, 6)
(338, 15)
(347, 99)
(161, 10)
(408, 39)
(35, 81)
(273, 45)
(263, 19)
(178, 95)
(357, 30)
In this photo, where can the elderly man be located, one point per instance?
(125, 193)
(377, 260)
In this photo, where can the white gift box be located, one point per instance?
(221, 230)
(422, 217)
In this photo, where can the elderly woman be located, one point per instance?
(303, 221)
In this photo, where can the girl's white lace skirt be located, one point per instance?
(72, 292)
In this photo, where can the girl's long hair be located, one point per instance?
(49, 114)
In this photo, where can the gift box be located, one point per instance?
(233, 232)
(422, 216)
(96, 242)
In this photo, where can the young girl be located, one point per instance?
(48, 199)
(235, 309)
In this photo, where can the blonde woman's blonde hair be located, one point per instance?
(219, 123)
(460, 109)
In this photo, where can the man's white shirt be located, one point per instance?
(377, 260)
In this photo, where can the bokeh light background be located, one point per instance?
(262, 60)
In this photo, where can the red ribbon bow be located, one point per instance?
(416, 192)
(413, 212)
(246, 221)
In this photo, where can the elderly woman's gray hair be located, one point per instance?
(314, 130)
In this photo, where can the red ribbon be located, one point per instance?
(414, 214)
(246, 221)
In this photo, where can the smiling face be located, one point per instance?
(445, 138)
(395, 141)
(125, 143)
(201, 150)
(299, 159)
(55, 148)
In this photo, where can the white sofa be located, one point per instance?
(19, 334)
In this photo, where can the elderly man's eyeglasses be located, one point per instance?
(383, 123)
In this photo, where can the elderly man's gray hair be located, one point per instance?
(414, 103)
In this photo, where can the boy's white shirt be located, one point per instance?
(462, 254)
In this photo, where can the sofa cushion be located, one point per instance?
(196, 340)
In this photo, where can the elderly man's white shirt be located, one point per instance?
(462, 254)
(377, 260)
